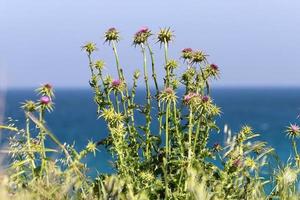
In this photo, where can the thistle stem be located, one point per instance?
(43, 152)
(197, 130)
(160, 116)
(153, 71)
(148, 111)
(117, 102)
(167, 128)
(295, 147)
(90, 63)
(166, 61)
(190, 134)
(117, 61)
(29, 144)
(165, 171)
(176, 122)
(122, 78)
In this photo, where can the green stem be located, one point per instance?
(167, 129)
(117, 61)
(176, 122)
(153, 71)
(90, 64)
(205, 81)
(295, 147)
(166, 61)
(165, 171)
(117, 101)
(31, 153)
(166, 51)
(43, 153)
(197, 130)
(148, 113)
(160, 116)
(121, 77)
(190, 134)
(105, 88)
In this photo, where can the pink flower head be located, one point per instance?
(116, 83)
(45, 100)
(48, 86)
(237, 163)
(214, 67)
(205, 98)
(143, 29)
(169, 90)
(188, 97)
(112, 29)
(295, 128)
(187, 50)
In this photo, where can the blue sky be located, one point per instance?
(254, 42)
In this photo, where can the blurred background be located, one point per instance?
(255, 43)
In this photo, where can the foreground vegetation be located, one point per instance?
(166, 156)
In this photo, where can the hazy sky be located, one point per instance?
(254, 42)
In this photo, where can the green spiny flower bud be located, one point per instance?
(107, 80)
(29, 106)
(171, 64)
(198, 57)
(174, 83)
(246, 130)
(189, 74)
(99, 64)
(249, 162)
(107, 114)
(89, 48)
(91, 147)
(165, 35)
(112, 35)
(112, 116)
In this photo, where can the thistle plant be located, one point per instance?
(171, 161)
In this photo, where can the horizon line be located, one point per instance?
(143, 87)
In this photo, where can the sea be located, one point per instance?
(74, 120)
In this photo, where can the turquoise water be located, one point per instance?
(267, 110)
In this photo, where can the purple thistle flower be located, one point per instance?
(187, 50)
(45, 100)
(188, 97)
(116, 83)
(295, 128)
(169, 90)
(141, 36)
(205, 98)
(143, 29)
(214, 67)
(112, 29)
(48, 86)
(237, 163)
